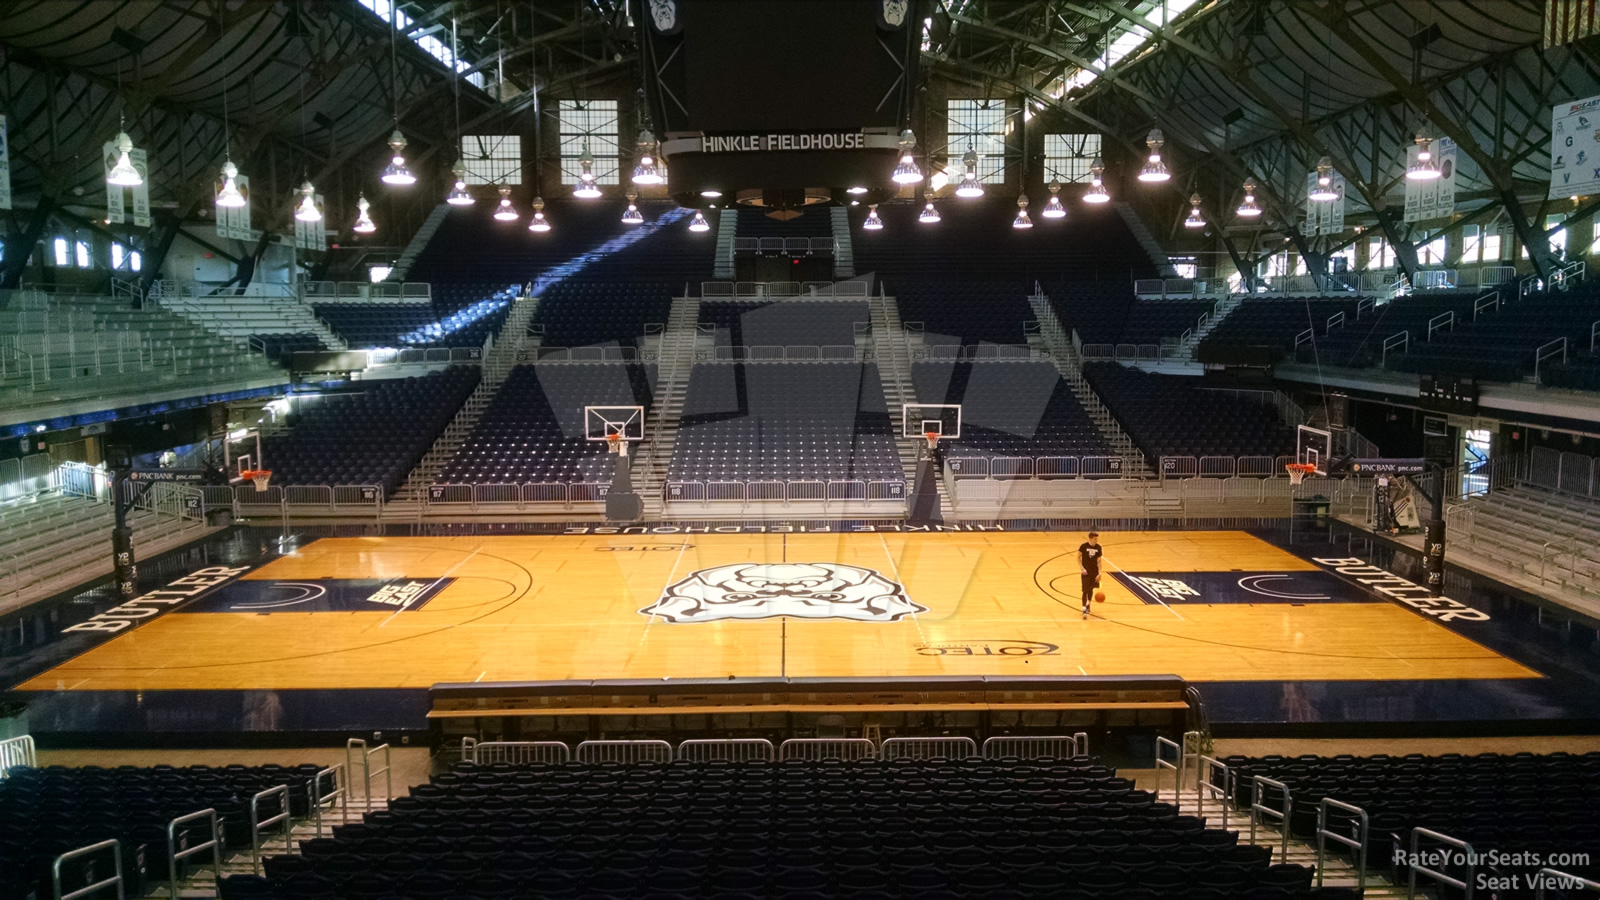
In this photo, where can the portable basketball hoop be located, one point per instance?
(261, 477)
(1299, 471)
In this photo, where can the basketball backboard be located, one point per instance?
(919, 419)
(1314, 446)
(600, 422)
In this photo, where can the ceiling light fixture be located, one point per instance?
(698, 223)
(364, 223)
(646, 171)
(229, 195)
(1052, 207)
(1424, 168)
(1154, 169)
(873, 223)
(907, 172)
(1097, 186)
(969, 186)
(1195, 220)
(459, 195)
(395, 172)
(123, 174)
(929, 214)
(506, 212)
(632, 216)
(1323, 191)
(857, 190)
(538, 224)
(711, 194)
(307, 210)
(1022, 220)
(587, 188)
(1247, 207)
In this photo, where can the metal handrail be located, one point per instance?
(214, 845)
(116, 879)
(849, 748)
(339, 776)
(919, 747)
(257, 824)
(1031, 746)
(731, 749)
(1415, 867)
(1205, 767)
(479, 752)
(1547, 878)
(1259, 809)
(1357, 844)
(1176, 767)
(623, 751)
(366, 768)
(17, 751)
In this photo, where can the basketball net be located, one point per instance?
(1299, 471)
(932, 438)
(617, 445)
(261, 477)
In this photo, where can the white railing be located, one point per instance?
(791, 246)
(708, 493)
(17, 751)
(928, 748)
(730, 750)
(818, 749)
(624, 751)
(513, 752)
(765, 290)
(364, 291)
(977, 352)
(1564, 471)
(1032, 747)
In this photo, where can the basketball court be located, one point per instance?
(797, 601)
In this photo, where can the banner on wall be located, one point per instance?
(1436, 197)
(116, 210)
(5, 167)
(141, 193)
(234, 221)
(1325, 216)
(311, 235)
(1575, 148)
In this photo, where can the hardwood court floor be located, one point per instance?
(569, 607)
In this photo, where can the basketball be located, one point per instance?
(1099, 596)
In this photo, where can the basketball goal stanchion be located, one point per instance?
(1299, 471)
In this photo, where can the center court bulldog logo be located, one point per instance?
(802, 590)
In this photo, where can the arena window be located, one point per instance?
(1067, 156)
(492, 158)
(983, 124)
(63, 253)
(594, 121)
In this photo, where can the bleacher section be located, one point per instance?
(975, 242)
(373, 434)
(1262, 330)
(1501, 346)
(1523, 530)
(801, 322)
(1581, 372)
(1010, 409)
(45, 812)
(1151, 320)
(785, 422)
(798, 829)
(279, 347)
(965, 314)
(584, 313)
(1169, 415)
(1521, 806)
(459, 316)
(1097, 310)
(533, 432)
(269, 309)
(1359, 343)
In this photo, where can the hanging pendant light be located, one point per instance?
(646, 171)
(873, 223)
(1097, 186)
(1154, 169)
(698, 223)
(395, 172)
(123, 174)
(1323, 191)
(1022, 220)
(632, 216)
(587, 188)
(929, 214)
(459, 195)
(907, 172)
(1195, 220)
(1424, 168)
(229, 195)
(538, 223)
(307, 210)
(969, 186)
(506, 212)
(364, 223)
(1052, 207)
(1247, 207)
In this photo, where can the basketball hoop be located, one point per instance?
(261, 477)
(616, 444)
(1299, 471)
(932, 438)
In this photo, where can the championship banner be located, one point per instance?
(1574, 146)
(311, 235)
(1325, 216)
(1566, 21)
(5, 167)
(115, 211)
(234, 221)
(1436, 197)
(141, 193)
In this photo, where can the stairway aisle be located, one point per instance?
(1071, 368)
(1222, 310)
(674, 362)
(402, 266)
(844, 254)
(893, 356)
(727, 230)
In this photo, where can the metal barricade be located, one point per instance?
(1258, 809)
(1357, 844)
(624, 751)
(308, 495)
(731, 750)
(1415, 867)
(499, 494)
(928, 748)
(1217, 467)
(847, 490)
(1100, 467)
(544, 492)
(886, 490)
(338, 779)
(17, 751)
(1179, 467)
(116, 877)
(1175, 767)
(1010, 467)
(1257, 467)
(1205, 784)
(806, 491)
(686, 491)
(517, 753)
(257, 824)
(724, 491)
(214, 844)
(588, 491)
(355, 495)
(1553, 879)
(818, 749)
(1050, 468)
(764, 491)
(1030, 747)
(356, 746)
(967, 466)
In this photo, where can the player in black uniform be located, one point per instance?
(1089, 554)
